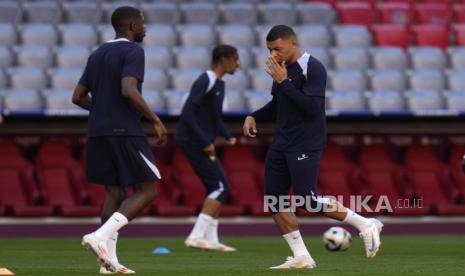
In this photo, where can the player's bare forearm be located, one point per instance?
(81, 97)
(139, 103)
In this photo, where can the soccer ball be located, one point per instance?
(337, 239)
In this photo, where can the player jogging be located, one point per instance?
(200, 122)
(293, 159)
(118, 154)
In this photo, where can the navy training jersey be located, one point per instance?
(298, 107)
(112, 114)
(201, 117)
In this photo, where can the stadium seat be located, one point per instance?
(160, 36)
(22, 100)
(197, 36)
(456, 80)
(200, 13)
(316, 14)
(237, 35)
(234, 102)
(161, 13)
(3, 80)
(245, 192)
(431, 35)
(389, 58)
(34, 56)
(333, 3)
(42, 11)
(6, 57)
(8, 34)
(382, 177)
(391, 35)
(455, 166)
(183, 78)
(82, 12)
(175, 101)
(420, 101)
(240, 158)
(58, 100)
(459, 13)
(351, 58)
(427, 80)
(257, 99)
(260, 80)
(346, 100)
(64, 78)
(38, 34)
(156, 79)
(356, 13)
(459, 31)
(430, 181)
(78, 34)
(457, 58)
(10, 11)
(158, 57)
(13, 197)
(456, 101)
(154, 99)
(386, 101)
(388, 80)
(278, 13)
(322, 54)
(27, 78)
(348, 80)
(395, 13)
(428, 58)
(313, 36)
(433, 13)
(239, 81)
(192, 58)
(261, 56)
(56, 187)
(72, 57)
(239, 13)
(352, 36)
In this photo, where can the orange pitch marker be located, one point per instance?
(5, 271)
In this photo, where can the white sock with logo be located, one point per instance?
(200, 226)
(357, 220)
(296, 243)
(112, 225)
(111, 246)
(212, 232)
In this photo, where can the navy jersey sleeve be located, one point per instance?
(84, 80)
(192, 105)
(267, 112)
(311, 99)
(134, 63)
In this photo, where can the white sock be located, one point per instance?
(296, 243)
(111, 246)
(112, 225)
(357, 220)
(200, 226)
(212, 232)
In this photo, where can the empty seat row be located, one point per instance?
(167, 12)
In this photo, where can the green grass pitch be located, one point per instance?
(400, 255)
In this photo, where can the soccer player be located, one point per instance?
(298, 110)
(118, 154)
(200, 122)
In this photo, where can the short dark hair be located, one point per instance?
(280, 31)
(222, 50)
(122, 14)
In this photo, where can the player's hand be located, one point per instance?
(250, 127)
(161, 132)
(231, 141)
(210, 149)
(276, 70)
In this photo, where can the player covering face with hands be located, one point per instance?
(298, 110)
